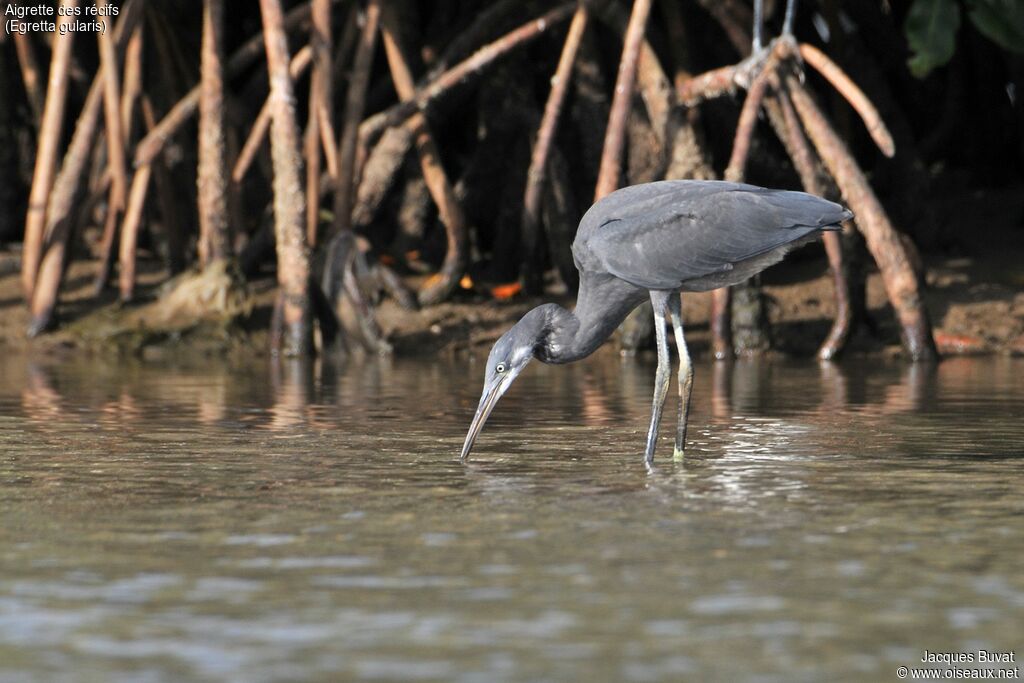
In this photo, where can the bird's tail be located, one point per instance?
(800, 209)
(844, 216)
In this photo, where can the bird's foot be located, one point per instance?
(677, 454)
(649, 458)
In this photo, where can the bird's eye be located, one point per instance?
(499, 368)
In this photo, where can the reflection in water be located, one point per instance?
(38, 398)
(291, 381)
(290, 392)
(282, 520)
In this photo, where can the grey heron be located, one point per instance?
(656, 240)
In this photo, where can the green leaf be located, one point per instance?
(1002, 21)
(931, 28)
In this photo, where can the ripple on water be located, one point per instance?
(204, 521)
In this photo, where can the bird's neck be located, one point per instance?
(601, 306)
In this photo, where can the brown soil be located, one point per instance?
(975, 298)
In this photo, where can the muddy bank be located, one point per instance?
(974, 312)
(975, 295)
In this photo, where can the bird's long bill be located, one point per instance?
(492, 392)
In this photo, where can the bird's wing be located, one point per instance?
(685, 230)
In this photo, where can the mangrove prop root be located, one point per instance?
(440, 82)
(168, 202)
(379, 173)
(751, 334)
(721, 323)
(437, 180)
(754, 337)
(317, 135)
(495, 16)
(300, 62)
(321, 39)
(112, 117)
(66, 189)
(369, 332)
(720, 81)
(611, 155)
(842, 323)
(212, 185)
(293, 266)
(561, 214)
(355, 104)
(30, 76)
(807, 166)
(736, 170)
(311, 152)
(853, 94)
(734, 17)
(186, 107)
(610, 170)
(651, 82)
(332, 335)
(882, 240)
(707, 86)
(46, 151)
(469, 68)
(59, 216)
(341, 287)
(111, 221)
(132, 82)
(392, 284)
(676, 30)
(536, 174)
(130, 232)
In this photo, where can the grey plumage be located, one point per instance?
(656, 240)
(675, 233)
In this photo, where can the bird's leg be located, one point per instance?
(685, 373)
(661, 380)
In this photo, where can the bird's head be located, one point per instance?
(507, 359)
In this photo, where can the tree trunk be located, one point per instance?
(293, 266)
(214, 235)
(46, 151)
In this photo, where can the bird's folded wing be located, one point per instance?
(661, 243)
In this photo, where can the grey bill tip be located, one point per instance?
(483, 411)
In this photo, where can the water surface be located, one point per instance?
(200, 521)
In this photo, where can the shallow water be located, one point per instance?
(191, 521)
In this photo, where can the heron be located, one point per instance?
(656, 240)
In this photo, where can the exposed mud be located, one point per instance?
(975, 298)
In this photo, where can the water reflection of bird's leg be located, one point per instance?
(685, 373)
(662, 378)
